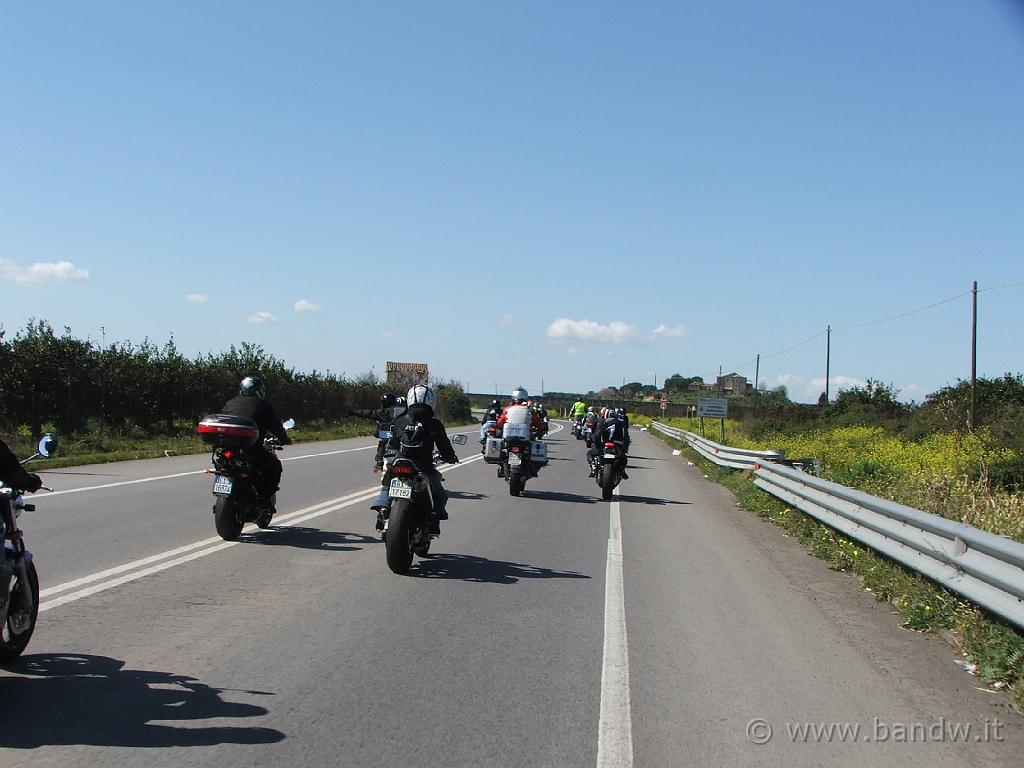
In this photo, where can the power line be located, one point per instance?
(902, 314)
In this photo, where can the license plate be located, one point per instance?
(610, 456)
(514, 460)
(400, 490)
(222, 485)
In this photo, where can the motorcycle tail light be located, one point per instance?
(403, 469)
(609, 445)
(515, 449)
(228, 454)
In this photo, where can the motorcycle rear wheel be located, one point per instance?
(607, 481)
(398, 541)
(226, 518)
(516, 483)
(21, 619)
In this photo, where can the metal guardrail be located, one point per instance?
(985, 568)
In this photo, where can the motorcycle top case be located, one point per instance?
(492, 450)
(539, 452)
(223, 431)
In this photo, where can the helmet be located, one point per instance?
(495, 403)
(399, 401)
(590, 409)
(253, 386)
(519, 395)
(422, 395)
(388, 400)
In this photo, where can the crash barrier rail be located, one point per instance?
(985, 568)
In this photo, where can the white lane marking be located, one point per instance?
(193, 472)
(615, 728)
(290, 519)
(186, 474)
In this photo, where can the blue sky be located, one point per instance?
(573, 193)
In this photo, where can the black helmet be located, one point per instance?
(387, 400)
(495, 403)
(253, 386)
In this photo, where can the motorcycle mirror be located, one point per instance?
(47, 445)
(290, 424)
(459, 439)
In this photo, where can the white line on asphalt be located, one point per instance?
(211, 545)
(615, 728)
(186, 474)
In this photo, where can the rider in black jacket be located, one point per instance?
(612, 429)
(13, 475)
(251, 402)
(418, 432)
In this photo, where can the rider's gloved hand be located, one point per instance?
(34, 483)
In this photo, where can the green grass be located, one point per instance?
(996, 647)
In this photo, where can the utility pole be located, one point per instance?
(757, 372)
(719, 381)
(974, 354)
(828, 358)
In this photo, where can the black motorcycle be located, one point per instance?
(235, 481)
(577, 427)
(19, 583)
(410, 524)
(608, 467)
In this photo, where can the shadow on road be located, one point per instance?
(480, 569)
(466, 495)
(649, 500)
(94, 700)
(309, 538)
(558, 496)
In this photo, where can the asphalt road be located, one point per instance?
(668, 628)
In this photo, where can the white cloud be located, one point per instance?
(837, 383)
(389, 335)
(509, 321)
(196, 298)
(670, 332)
(304, 305)
(566, 330)
(43, 272)
(262, 317)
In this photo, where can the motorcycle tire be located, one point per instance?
(516, 484)
(398, 541)
(21, 619)
(607, 481)
(226, 519)
(422, 549)
(263, 519)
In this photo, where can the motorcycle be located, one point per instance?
(235, 480)
(410, 524)
(19, 582)
(487, 429)
(577, 427)
(608, 468)
(521, 458)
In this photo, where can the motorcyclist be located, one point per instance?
(543, 413)
(251, 402)
(418, 432)
(13, 475)
(517, 412)
(611, 429)
(578, 409)
(385, 416)
(493, 412)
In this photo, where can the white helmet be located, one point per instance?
(520, 395)
(421, 395)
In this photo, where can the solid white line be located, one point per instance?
(290, 519)
(615, 728)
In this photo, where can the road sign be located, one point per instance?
(712, 408)
(664, 405)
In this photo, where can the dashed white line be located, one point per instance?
(615, 727)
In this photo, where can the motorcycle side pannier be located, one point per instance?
(492, 450)
(223, 431)
(539, 452)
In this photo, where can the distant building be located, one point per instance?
(733, 385)
(405, 376)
